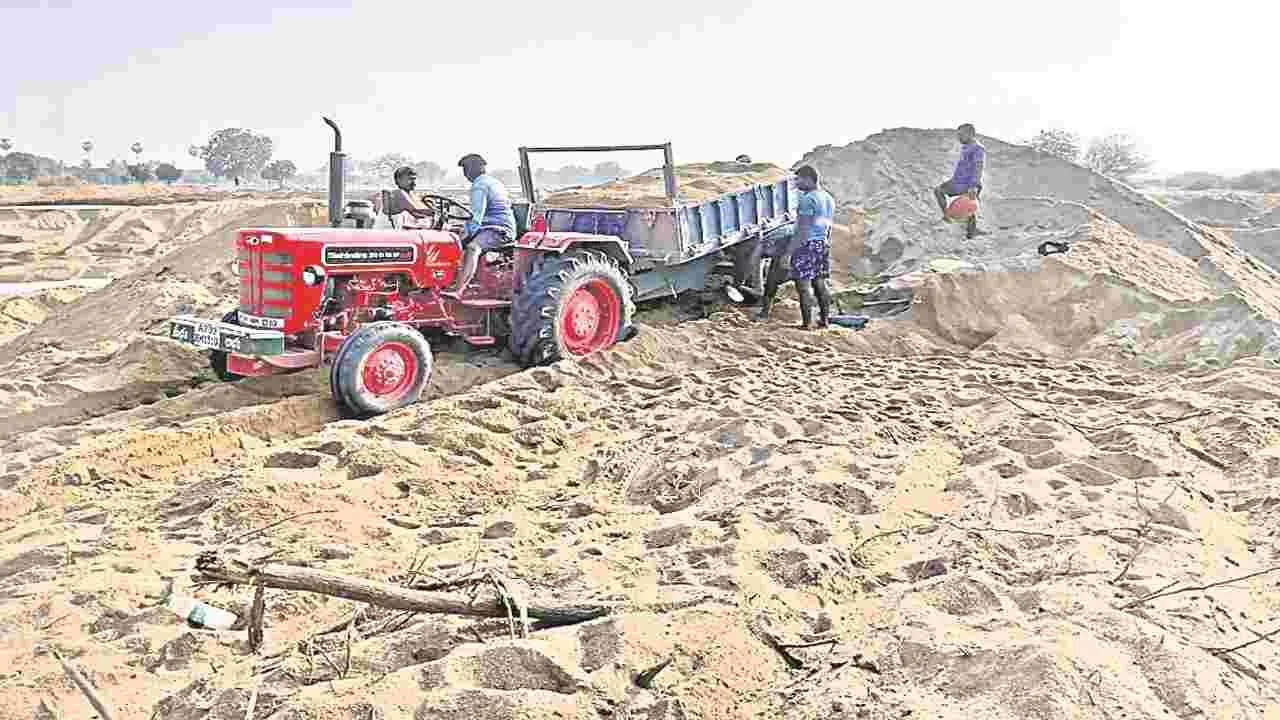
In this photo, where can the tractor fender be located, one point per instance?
(561, 242)
(558, 243)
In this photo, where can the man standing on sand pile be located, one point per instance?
(966, 179)
(492, 222)
(810, 250)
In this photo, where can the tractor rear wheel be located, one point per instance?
(218, 358)
(570, 305)
(381, 367)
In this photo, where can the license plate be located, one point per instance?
(224, 337)
(206, 336)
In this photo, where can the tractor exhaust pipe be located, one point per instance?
(337, 168)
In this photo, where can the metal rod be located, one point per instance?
(526, 176)
(596, 148)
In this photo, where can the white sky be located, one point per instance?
(716, 77)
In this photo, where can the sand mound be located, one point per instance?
(105, 242)
(1214, 210)
(695, 182)
(133, 194)
(22, 312)
(1030, 198)
(96, 354)
(1268, 219)
(802, 529)
(1263, 244)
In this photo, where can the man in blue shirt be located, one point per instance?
(810, 248)
(966, 179)
(492, 223)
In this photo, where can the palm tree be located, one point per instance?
(87, 146)
(6, 144)
(137, 151)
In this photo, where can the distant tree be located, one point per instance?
(384, 166)
(280, 171)
(21, 166)
(6, 144)
(429, 172)
(1058, 143)
(168, 172)
(1116, 156)
(137, 151)
(236, 153)
(507, 177)
(609, 170)
(117, 168)
(141, 172)
(572, 175)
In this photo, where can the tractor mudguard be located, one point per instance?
(561, 242)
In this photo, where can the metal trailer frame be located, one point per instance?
(699, 229)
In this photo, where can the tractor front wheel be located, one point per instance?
(570, 305)
(381, 367)
(218, 359)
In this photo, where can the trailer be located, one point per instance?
(674, 245)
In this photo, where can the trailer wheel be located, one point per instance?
(570, 305)
(380, 368)
(218, 358)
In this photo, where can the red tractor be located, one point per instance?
(362, 298)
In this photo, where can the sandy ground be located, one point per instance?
(132, 194)
(1047, 489)
(954, 536)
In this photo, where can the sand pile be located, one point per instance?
(1261, 243)
(800, 525)
(134, 194)
(1208, 208)
(62, 243)
(696, 182)
(1030, 198)
(19, 313)
(1268, 219)
(99, 353)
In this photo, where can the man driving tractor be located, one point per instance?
(492, 222)
(406, 180)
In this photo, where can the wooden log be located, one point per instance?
(218, 567)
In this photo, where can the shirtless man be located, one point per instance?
(406, 180)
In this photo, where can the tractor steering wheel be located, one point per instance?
(441, 205)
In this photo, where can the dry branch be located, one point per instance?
(1081, 428)
(1198, 588)
(256, 611)
(1142, 531)
(84, 686)
(252, 533)
(218, 567)
(1261, 637)
(645, 678)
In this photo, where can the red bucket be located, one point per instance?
(962, 208)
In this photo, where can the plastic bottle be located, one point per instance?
(199, 614)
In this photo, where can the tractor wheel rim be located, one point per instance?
(390, 370)
(590, 319)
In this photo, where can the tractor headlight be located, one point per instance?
(312, 275)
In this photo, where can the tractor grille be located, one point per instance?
(266, 283)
